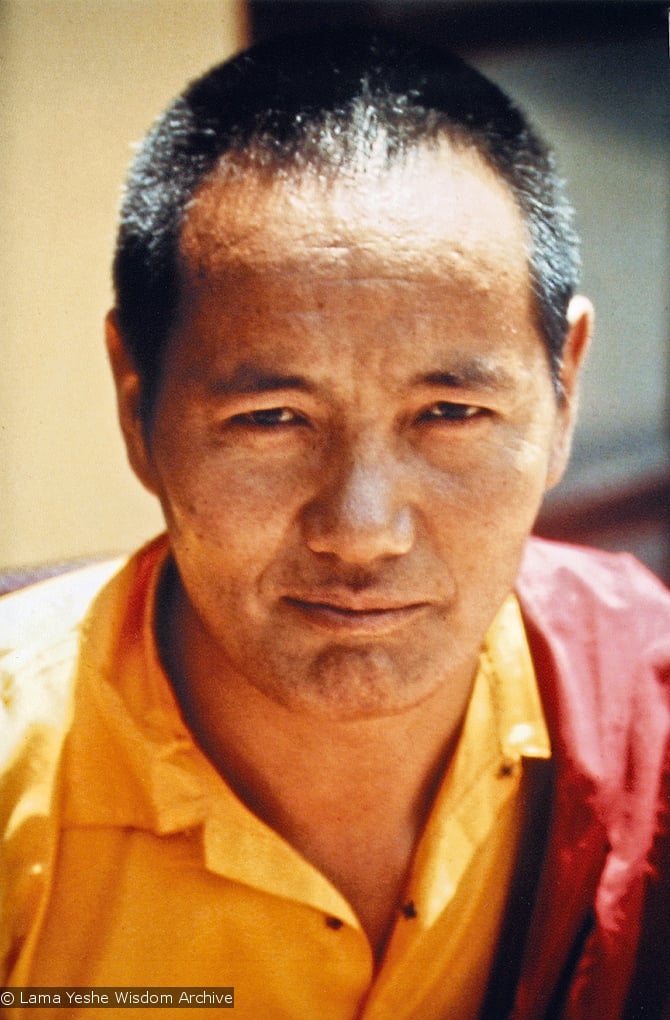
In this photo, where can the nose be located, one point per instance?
(361, 513)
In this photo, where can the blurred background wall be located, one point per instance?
(83, 78)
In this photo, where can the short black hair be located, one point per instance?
(316, 100)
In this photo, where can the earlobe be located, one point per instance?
(580, 319)
(129, 402)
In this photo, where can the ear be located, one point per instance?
(129, 401)
(580, 318)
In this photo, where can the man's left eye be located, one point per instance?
(269, 417)
(445, 410)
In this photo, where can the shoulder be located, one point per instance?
(599, 617)
(39, 642)
(598, 625)
(43, 611)
(599, 630)
(561, 583)
(39, 628)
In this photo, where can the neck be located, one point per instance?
(351, 796)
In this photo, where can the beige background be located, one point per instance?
(81, 79)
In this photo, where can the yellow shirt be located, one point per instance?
(163, 878)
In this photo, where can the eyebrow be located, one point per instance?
(471, 375)
(251, 379)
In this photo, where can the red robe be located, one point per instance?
(598, 945)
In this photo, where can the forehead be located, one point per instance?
(440, 213)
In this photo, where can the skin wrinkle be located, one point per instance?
(244, 235)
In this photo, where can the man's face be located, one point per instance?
(354, 432)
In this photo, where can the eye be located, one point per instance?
(445, 410)
(268, 418)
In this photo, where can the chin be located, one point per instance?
(360, 683)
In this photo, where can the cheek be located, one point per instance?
(505, 472)
(215, 503)
(480, 516)
(518, 475)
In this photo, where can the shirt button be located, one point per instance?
(507, 768)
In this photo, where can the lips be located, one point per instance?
(362, 615)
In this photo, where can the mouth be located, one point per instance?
(365, 618)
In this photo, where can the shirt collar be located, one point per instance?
(504, 724)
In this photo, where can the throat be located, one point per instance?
(351, 796)
(358, 827)
(368, 861)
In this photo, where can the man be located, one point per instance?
(346, 739)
